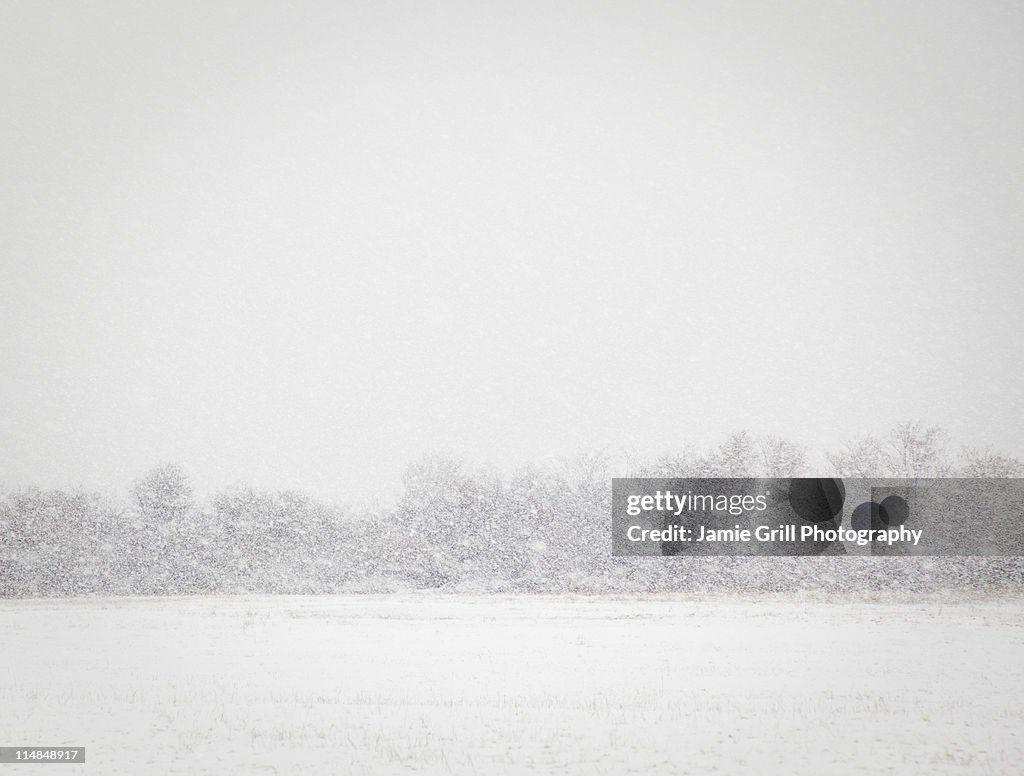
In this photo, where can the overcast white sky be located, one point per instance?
(300, 244)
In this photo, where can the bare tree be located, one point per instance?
(917, 450)
(864, 457)
(164, 494)
(782, 458)
(987, 463)
(735, 457)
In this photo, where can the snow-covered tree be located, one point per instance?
(782, 458)
(988, 463)
(863, 457)
(917, 450)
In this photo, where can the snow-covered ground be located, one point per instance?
(492, 685)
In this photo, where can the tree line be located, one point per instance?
(454, 527)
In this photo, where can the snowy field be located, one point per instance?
(492, 685)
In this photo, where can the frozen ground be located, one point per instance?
(386, 685)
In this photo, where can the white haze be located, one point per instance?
(302, 244)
